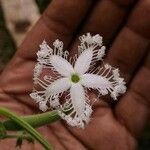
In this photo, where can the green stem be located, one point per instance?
(26, 126)
(34, 120)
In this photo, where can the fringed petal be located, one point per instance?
(78, 98)
(103, 85)
(77, 121)
(58, 86)
(61, 65)
(83, 62)
(107, 80)
(76, 111)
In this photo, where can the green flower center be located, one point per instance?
(75, 78)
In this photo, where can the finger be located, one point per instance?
(50, 136)
(56, 22)
(63, 133)
(106, 19)
(133, 109)
(131, 44)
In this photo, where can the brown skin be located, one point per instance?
(125, 26)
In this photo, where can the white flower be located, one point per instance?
(71, 79)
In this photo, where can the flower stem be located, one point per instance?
(5, 112)
(34, 120)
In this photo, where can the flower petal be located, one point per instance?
(58, 86)
(78, 98)
(96, 82)
(77, 121)
(105, 83)
(79, 109)
(61, 65)
(43, 106)
(83, 62)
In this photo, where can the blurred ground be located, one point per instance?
(8, 48)
(7, 45)
(20, 16)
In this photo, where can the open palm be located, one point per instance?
(125, 26)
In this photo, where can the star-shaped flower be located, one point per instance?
(72, 79)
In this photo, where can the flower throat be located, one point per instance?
(75, 78)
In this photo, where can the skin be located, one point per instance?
(125, 26)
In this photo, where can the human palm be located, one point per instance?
(125, 26)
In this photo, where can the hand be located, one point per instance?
(125, 26)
